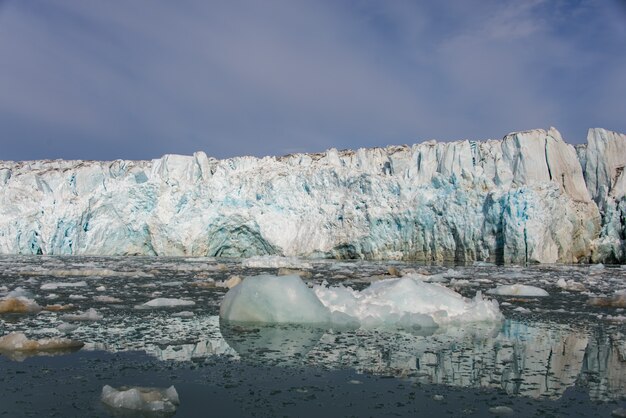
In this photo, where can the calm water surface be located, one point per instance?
(553, 356)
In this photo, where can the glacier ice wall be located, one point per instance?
(528, 197)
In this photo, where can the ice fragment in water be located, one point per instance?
(55, 286)
(17, 341)
(89, 315)
(570, 285)
(141, 398)
(165, 303)
(18, 305)
(106, 299)
(272, 261)
(517, 290)
(501, 410)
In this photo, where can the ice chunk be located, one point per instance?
(618, 300)
(55, 286)
(407, 302)
(230, 283)
(89, 315)
(19, 292)
(596, 268)
(66, 328)
(165, 303)
(18, 304)
(404, 303)
(141, 398)
(272, 261)
(175, 283)
(273, 299)
(517, 290)
(17, 341)
(570, 285)
(184, 314)
(106, 299)
(501, 410)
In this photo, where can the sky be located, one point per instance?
(88, 79)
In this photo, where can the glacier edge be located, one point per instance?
(529, 197)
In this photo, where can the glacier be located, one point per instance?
(529, 197)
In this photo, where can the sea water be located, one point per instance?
(152, 321)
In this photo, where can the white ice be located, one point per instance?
(275, 262)
(18, 304)
(17, 341)
(407, 302)
(518, 290)
(89, 315)
(273, 299)
(529, 197)
(165, 303)
(141, 398)
(570, 285)
(403, 302)
(55, 286)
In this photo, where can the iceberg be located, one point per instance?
(392, 303)
(273, 300)
(529, 197)
(407, 302)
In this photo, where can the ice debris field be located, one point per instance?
(533, 331)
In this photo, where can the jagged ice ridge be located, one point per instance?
(529, 197)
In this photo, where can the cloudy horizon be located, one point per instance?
(136, 80)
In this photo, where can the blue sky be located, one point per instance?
(87, 79)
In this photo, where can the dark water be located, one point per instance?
(553, 356)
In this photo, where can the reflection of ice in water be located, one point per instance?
(560, 340)
(520, 359)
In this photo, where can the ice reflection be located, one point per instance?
(279, 344)
(538, 360)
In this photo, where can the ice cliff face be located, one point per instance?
(529, 197)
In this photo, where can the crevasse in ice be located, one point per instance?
(528, 197)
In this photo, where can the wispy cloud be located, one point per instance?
(83, 79)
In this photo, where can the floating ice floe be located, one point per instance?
(141, 398)
(66, 328)
(59, 285)
(501, 410)
(165, 303)
(570, 285)
(184, 314)
(274, 261)
(230, 283)
(403, 302)
(18, 304)
(19, 292)
(618, 300)
(518, 290)
(106, 299)
(89, 315)
(596, 268)
(17, 341)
